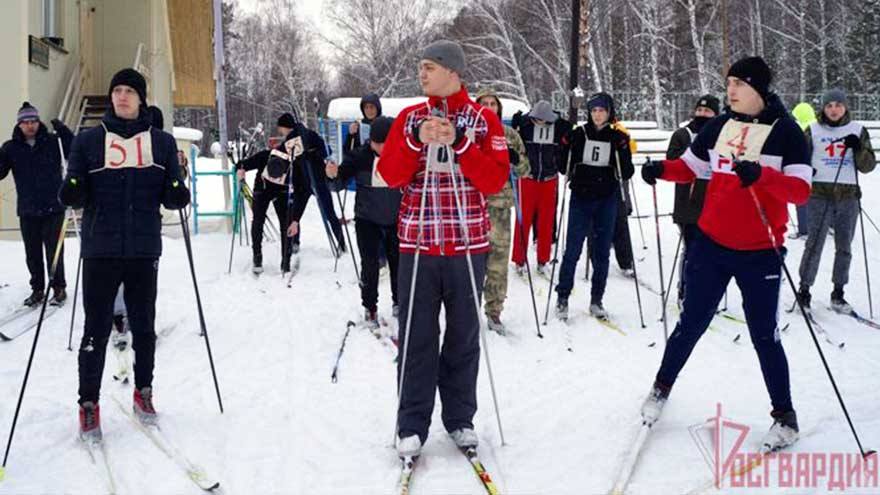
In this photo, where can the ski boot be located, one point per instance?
(783, 432)
(371, 319)
(562, 308)
(804, 297)
(494, 323)
(409, 447)
(598, 311)
(59, 295)
(258, 264)
(464, 438)
(34, 299)
(653, 405)
(838, 303)
(90, 422)
(143, 406)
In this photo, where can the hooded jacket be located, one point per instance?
(599, 156)
(545, 152)
(36, 169)
(730, 216)
(516, 148)
(354, 141)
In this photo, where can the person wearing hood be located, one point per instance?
(120, 173)
(495, 291)
(544, 133)
(284, 182)
(758, 162)
(36, 163)
(840, 148)
(689, 198)
(375, 214)
(804, 114)
(359, 132)
(600, 160)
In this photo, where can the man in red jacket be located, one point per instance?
(758, 162)
(448, 154)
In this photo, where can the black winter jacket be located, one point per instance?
(600, 179)
(689, 198)
(354, 141)
(124, 190)
(36, 170)
(374, 202)
(299, 178)
(546, 160)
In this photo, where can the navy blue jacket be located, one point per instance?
(121, 218)
(36, 170)
(545, 160)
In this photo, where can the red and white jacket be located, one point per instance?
(772, 139)
(480, 163)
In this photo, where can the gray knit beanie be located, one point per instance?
(447, 53)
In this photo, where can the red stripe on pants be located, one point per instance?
(536, 197)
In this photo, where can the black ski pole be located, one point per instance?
(27, 371)
(357, 272)
(348, 327)
(558, 241)
(660, 263)
(779, 255)
(864, 246)
(204, 333)
(635, 270)
(517, 206)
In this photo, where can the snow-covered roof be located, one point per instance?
(347, 109)
(187, 134)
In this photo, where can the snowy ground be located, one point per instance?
(568, 416)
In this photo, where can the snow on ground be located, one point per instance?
(568, 417)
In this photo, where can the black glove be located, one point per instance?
(853, 142)
(416, 129)
(460, 135)
(73, 193)
(176, 195)
(516, 120)
(749, 172)
(57, 124)
(514, 157)
(651, 171)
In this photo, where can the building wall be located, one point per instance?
(46, 87)
(120, 26)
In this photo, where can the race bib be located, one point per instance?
(294, 146)
(543, 134)
(134, 152)
(740, 141)
(597, 153)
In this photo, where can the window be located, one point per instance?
(52, 22)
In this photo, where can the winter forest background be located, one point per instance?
(653, 56)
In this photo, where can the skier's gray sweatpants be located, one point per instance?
(842, 216)
(441, 280)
